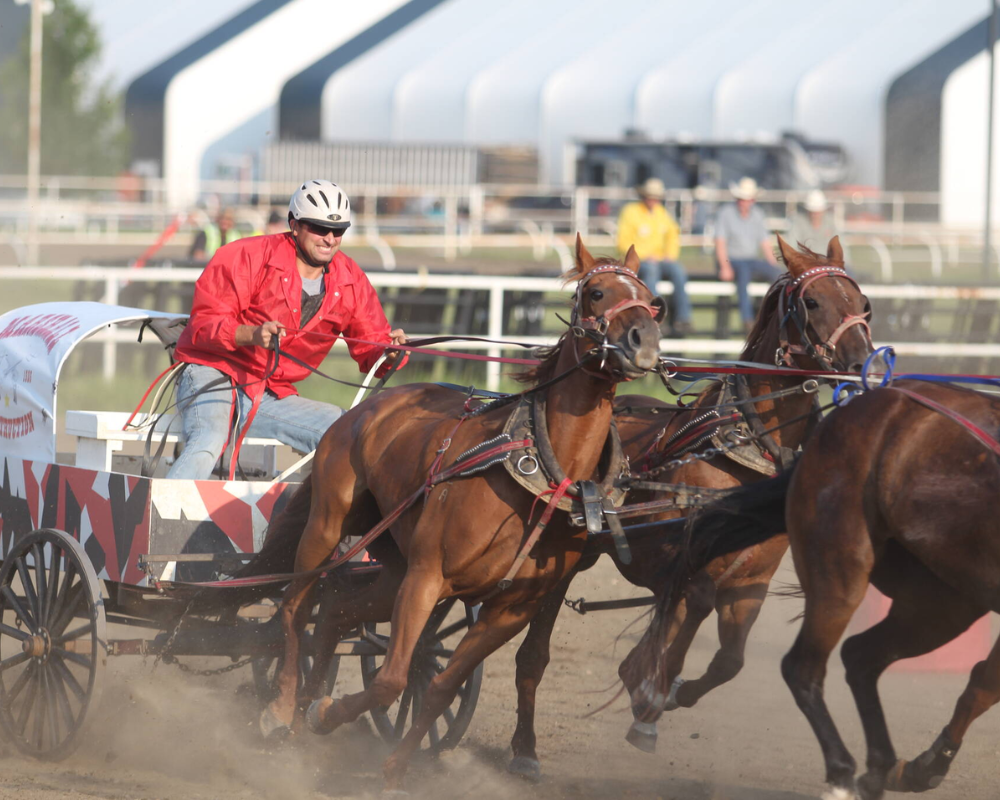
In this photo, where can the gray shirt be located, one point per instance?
(743, 235)
(816, 239)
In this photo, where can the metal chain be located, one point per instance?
(167, 658)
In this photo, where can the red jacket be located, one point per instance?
(251, 281)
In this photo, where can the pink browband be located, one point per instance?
(602, 322)
(824, 349)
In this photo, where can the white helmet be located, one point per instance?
(322, 203)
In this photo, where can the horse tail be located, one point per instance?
(276, 556)
(745, 517)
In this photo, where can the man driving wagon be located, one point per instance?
(297, 287)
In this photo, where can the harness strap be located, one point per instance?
(965, 422)
(529, 543)
(364, 541)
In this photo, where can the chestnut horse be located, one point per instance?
(900, 489)
(734, 585)
(462, 537)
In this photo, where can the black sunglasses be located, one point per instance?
(321, 230)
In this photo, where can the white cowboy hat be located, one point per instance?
(653, 187)
(816, 201)
(746, 189)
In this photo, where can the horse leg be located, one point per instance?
(981, 693)
(925, 614)
(418, 594)
(340, 612)
(495, 627)
(532, 659)
(738, 608)
(651, 697)
(327, 521)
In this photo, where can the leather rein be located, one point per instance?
(792, 307)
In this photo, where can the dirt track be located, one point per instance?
(163, 735)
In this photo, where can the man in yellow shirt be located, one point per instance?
(657, 239)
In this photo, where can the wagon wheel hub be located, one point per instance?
(37, 646)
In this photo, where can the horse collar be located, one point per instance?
(537, 469)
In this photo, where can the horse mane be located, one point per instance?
(767, 314)
(550, 355)
(769, 306)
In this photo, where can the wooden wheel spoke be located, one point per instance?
(433, 733)
(41, 711)
(76, 658)
(404, 709)
(13, 661)
(55, 572)
(30, 596)
(38, 554)
(69, 578)
(29, 703)
(13, 632)
(15, 605)
(62, 701)
(51, 707)
(18, 686)
(71, 605)
(450, 630)
(76, 633)
(69, 679)
(449, 717)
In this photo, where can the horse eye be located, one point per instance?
(811, 304)
(596, 295)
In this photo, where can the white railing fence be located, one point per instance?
(497, 286)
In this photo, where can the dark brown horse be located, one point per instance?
(897, 489)
(462, 537)
(735, 585)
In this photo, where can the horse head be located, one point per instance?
(823, 314)
(615, 316)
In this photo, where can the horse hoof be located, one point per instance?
(272, 728)
(524, 767)
(839, 793)
(672, 704)
(642, 735)
(314, 716)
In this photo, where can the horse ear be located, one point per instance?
(790, 256)
(835, 252)
(584, 260)
(631, 261)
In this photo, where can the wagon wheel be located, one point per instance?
(53, 643)
(443, 631)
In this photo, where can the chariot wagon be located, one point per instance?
(88, 542)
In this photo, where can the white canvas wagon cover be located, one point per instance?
(34, 343)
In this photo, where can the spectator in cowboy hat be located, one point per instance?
(742, 245)
(814, 229)
(649, 227)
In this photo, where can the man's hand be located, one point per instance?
(726, 272)
(397, 336)
(260, 335)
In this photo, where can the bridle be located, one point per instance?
(791, 306)
(596, 328)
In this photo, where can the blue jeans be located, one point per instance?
(747, 270)
(652, 272)
(294, 420)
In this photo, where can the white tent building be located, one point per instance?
(899, 83)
